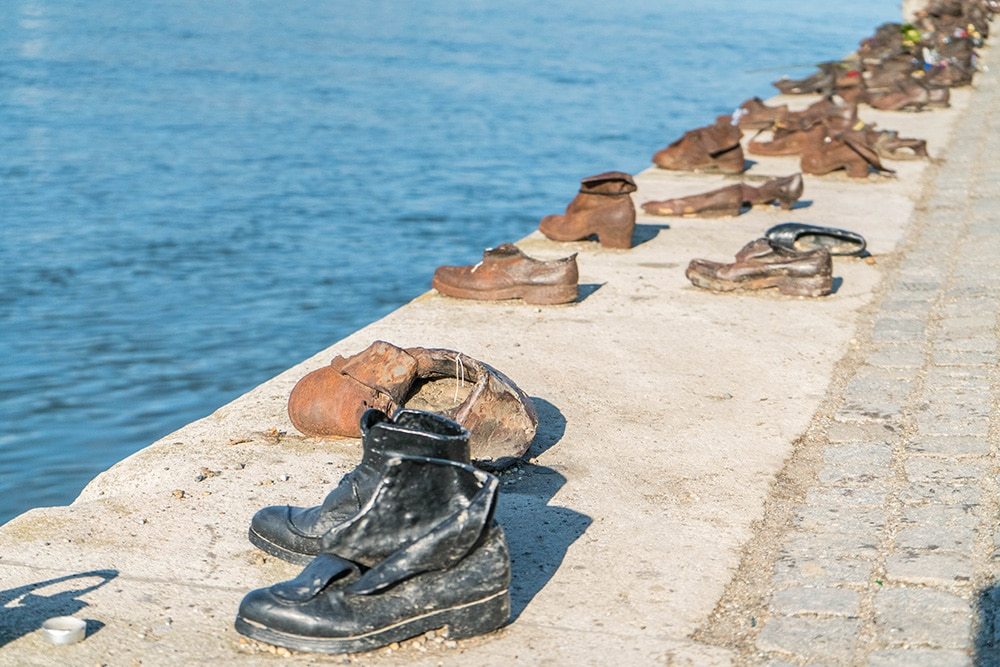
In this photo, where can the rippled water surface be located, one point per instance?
(195, 196)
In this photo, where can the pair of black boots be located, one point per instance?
(405, 543)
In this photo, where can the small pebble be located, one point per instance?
(179, 493)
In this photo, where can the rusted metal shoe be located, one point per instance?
(499, 416)
(507, 273)
(797, 237)
(787, 141)
(754, 114)
(844, 150)
(759, 266)
(907, 94)
(890, 146)
(714, 148)
(732, 199)
(603, 208)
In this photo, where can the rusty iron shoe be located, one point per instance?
(711, 148)
(841, 150)
(732, 199)
(603, 208)
(507, 273)
(797, 237)
(499, 416)
(759, 266)
(754, 114)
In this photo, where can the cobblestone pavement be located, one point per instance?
(891, 554)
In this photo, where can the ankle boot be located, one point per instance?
(423, 553)
(295, 534)
(710, 148)
(844, 151)
(602, 208)
(782, 191)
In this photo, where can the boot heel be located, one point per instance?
(619, 236)
(856, 170)
(485, 616)
(548, 295)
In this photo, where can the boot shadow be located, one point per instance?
(645, 232)
(538, 535)
(551, 428)
(987, 640)
(23, 610)
(584, 290)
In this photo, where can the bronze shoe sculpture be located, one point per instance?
(759, 266)
(423, 552)
(797, 237)
(787, 141)
(711, 148)
(499, 416)
(603, 208)
(507, 273)
(732, 199)
(755, 115)
(844, 150)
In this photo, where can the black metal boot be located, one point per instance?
(294, 533)
(423, 554)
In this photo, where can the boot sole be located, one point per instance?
(813, 286)
(277, 550)
(533, 294)
(461, 621)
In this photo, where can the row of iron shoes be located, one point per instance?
(902, 67)
(407, 543)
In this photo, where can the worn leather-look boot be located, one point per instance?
(754, 114)
(602, 208)
(848, 151)
(787, 141)
(507, 273)
(711, 148)
(295, 534)
(760, 266)
(423, 553)
(500, 417)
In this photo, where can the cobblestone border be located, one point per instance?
(879, 544)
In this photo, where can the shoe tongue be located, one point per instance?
(608, 183)
(502, 252)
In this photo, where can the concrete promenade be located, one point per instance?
(718, 479)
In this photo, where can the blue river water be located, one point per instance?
(195, 196)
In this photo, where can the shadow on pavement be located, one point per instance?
(538, 534)
(23, 609)
(987, 644)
